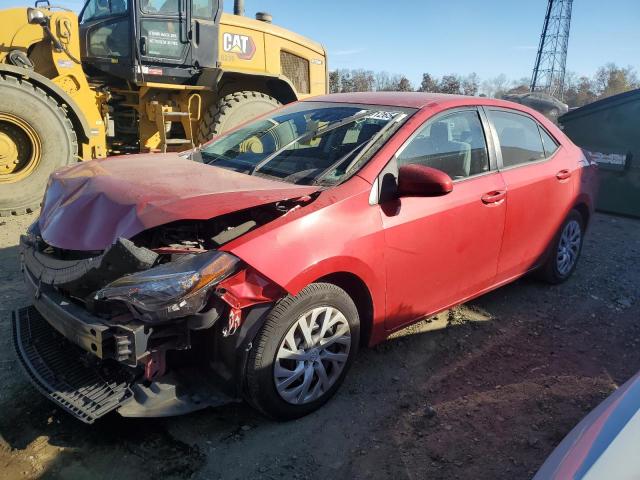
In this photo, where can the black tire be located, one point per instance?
(550, 271)
(260, 384)
(232, 110)
(57, 142)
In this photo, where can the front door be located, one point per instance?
(441, 250)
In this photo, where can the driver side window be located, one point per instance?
(453, 143)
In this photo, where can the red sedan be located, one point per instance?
(258, 271)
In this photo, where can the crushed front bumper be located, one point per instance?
(90, 367)
(89, 388)
(64, 372)
(125, 342)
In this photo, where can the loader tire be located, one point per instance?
(36, 138)
(232, 110)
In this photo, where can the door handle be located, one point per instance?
(496, 196)
(563, 174)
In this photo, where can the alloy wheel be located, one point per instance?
(568, 247)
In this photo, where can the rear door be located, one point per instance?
(440, 250)
(537, 172)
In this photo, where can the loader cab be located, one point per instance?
(164, 41)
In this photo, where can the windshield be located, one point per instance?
(307, 143)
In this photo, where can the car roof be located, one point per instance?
(411, 99)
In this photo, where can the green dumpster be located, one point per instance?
(610, 130)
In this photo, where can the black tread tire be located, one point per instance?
(58, 141)
(548, 272)
(232, 110)
(260, 387)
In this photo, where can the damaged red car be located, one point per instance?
(256, 268)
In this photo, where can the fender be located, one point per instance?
(279, 86)
(312, 242)
(53, 90)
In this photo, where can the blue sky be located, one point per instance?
(488, 37)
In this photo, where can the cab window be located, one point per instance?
(203, 8)
(103, 8)
(167, 7)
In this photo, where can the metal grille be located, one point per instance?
(296, 69)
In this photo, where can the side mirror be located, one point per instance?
(416, 180)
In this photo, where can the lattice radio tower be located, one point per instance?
(551, 60)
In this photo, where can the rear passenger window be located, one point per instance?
(550, 145)
(519, 137)
(453, 143)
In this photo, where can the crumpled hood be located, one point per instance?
(89, 205)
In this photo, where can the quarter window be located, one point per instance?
(454, 144)
(520, 141)
(550, 145)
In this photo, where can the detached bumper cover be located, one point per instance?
(65, 373)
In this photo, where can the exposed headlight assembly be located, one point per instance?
(174, 289)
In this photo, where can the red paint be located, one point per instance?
(89, 205)
(155, 364)
(417, 255)
(420, 181)
(247, 288)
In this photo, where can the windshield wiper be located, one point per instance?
(366, 143)
(310, 134)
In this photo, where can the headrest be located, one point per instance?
(440, 132)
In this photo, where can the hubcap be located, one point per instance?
(19, 149)
(569, 247)
(312, 355)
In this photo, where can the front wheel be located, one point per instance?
(36, 138)
(565, 250)
(303, 352)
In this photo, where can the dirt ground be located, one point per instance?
(484, 391)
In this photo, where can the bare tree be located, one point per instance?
(611, 80)
(470, 84)
(495, 87)
(403, 85)
(335, 81)
(608, 80)
(449, 84)
(428, 84)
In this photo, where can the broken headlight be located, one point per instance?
(174, 289)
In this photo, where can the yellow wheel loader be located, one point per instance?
(130, 76)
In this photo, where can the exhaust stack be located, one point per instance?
(238, 7)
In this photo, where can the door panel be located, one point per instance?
(537, 204)
(539, 189)
(441, 250)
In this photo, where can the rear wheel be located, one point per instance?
(36, 137)
(232, 110)
(565, 250)
(303, 352)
